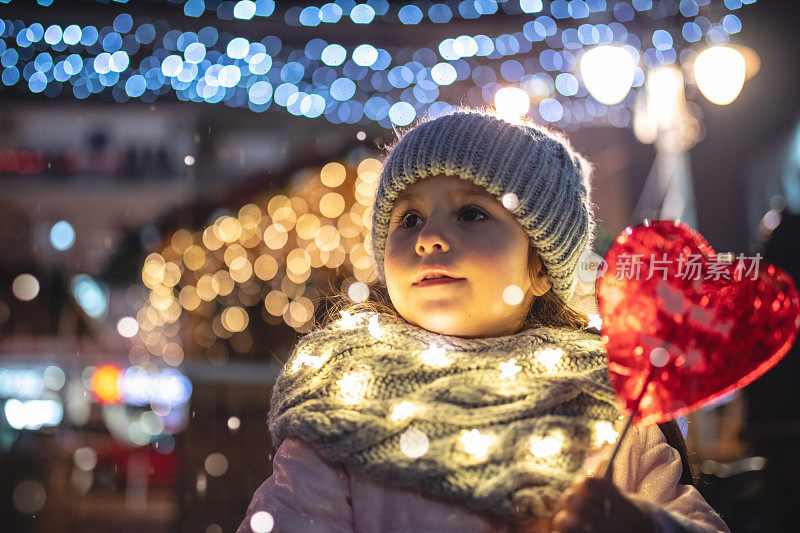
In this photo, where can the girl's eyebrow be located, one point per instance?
(461, 194)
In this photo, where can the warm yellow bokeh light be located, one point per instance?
(181, 240)
(333, 174)
(327, 238)
(276, 303)
(365, 192)
(285, 216)
(189, 298)
(194, 257)
(307, 226)
(275, 236)
(229, 229)
(318, 257)
(207, 287)
(298, 261)
(234, 251)
(210, 239)
(546, 446)
(224, 281)
(276, 202)
(172, 274)
(241, 270)
(235, 319)
(265, 267)
(331, 205)
(250, 215)
(369, 166)
(349, 225)
(301, 309)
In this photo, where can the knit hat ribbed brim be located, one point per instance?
(550, 181)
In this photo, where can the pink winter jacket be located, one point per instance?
(307, 493)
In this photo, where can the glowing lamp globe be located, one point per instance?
(512, 103)
(608, 73)
(720, 72)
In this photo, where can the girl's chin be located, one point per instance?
(457, 326)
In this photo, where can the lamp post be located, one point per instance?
(662, 117)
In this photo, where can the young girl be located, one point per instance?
(475, 397)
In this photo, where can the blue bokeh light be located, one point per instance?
(10, 76)
(135, 86)
(551, 110)
(410, 14)
(244, 10)
(343, 89)
(531, 6)
(89, 36)
(38, 82)
(119, 61)
(72, 34)
(440, 13)
(238, 48)
(260, 64)
(123, 23)
(310, 16)
(52, 35)
(62, 235)
(662, 40)
(172, 65)
(260, 92)
(195, 53)
(334, 55)
(365, 55)
(194, 8)
(312, 105)
(402, 113)
(145, 34)
(330, 13)
(443, 73)
(731, 23)
(362, 14)
(112, 42)
(89, 295)
(567, 84)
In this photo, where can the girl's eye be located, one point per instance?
(471, 210)
(469, 215)
(405, 217)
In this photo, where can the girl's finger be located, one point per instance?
(597, 489)
(566, 522)
(586, 510)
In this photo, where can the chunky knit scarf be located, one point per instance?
(499, 424)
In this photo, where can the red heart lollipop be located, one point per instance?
(704, 325)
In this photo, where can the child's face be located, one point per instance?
(448, 222)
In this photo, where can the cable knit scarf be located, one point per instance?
(499, 424)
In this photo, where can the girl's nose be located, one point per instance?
(430, 238)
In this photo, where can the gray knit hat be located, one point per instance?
(550, 181)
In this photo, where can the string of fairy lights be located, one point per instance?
(361, 83)
(275, 257)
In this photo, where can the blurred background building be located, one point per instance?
(184, 182)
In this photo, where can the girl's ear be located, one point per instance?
(540, 283)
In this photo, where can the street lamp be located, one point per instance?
(608, 73)
(719, 72)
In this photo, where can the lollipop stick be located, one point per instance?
(606, 474)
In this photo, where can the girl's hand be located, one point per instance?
(597, 505)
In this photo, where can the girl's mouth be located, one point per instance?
(437, 281)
